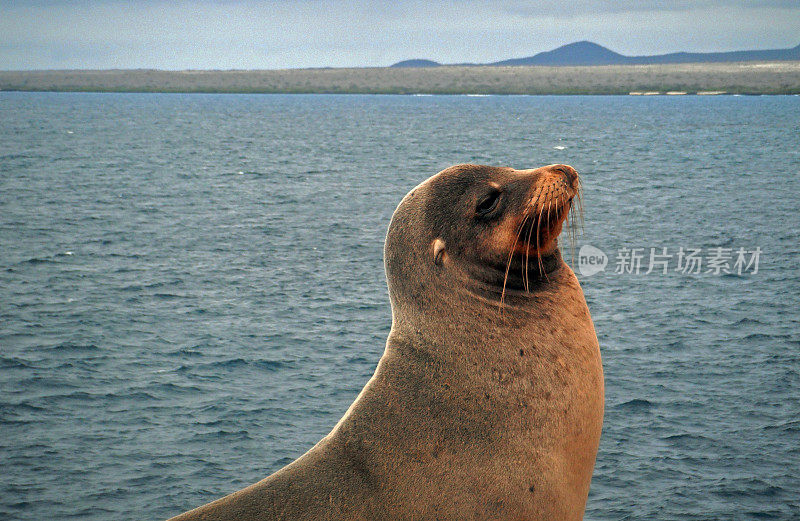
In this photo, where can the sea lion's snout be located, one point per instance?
(569, 174)
(549, 202)
(552, 188)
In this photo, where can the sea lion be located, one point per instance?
(488, 400)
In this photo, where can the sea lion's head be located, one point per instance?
(493, 231)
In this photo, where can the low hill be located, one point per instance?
(717, 57)
(590, 53)
(578, 53)
(416, 63)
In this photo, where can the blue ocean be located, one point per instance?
(192, 288)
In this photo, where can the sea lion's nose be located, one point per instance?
(569, 173)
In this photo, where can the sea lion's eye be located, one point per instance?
(488, 203)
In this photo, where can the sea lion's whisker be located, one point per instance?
(547, 205)
(531, 205)
(523, 268)
(527, 254)
(576, 226)
(564, 200)
(508, 263)
(538, 252)
(571, 234)
(548, 232)
(580, 204)
(528, 239)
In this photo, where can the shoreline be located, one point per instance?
(745, 78)
(410, 94)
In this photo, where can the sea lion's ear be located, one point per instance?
(438, 252)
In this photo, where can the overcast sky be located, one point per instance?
(232, 34)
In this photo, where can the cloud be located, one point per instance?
(307, 33)
(601, 7)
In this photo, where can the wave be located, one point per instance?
(74, 347)
(635, 404)
(233, 363)
(15, 363)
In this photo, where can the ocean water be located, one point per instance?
(192, 288)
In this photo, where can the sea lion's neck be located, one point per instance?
(477, 305)
(520, 279)
(470, 333)
(486, 300)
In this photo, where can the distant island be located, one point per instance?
(577, 68)
(416, 63)
(590, 53)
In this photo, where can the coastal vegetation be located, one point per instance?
(730, 78)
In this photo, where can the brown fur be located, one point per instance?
(488, 400)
